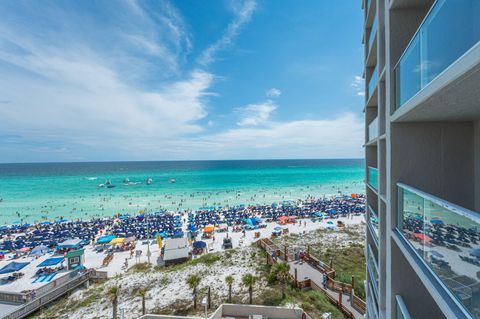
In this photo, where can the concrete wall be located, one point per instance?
(415, 295)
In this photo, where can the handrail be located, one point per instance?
(332, 284)
(35, 304)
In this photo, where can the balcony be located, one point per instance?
(446, 237)
(372, 84)
(373, 129)
(450, 29)
(372, 177)
(373, 221)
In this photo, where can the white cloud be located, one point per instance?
(273, 93)
(256, 114)
(358, 85)
(243, 15)
(340, 137)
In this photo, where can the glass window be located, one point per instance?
(451, 28)
(447, 238)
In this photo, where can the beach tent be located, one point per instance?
(12, 267)
(199, 245)
(105, 239)
(70, 244)
(209, 228)
(282, 220)
(51, 262)
(116, 241)
(39, 250)
(422, 237)
(436, 221)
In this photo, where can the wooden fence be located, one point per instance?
(274, 252)
(56, 292)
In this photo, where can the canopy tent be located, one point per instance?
(209, 228)
(51, 262)
(199, 244)
(251, 221)
(116, 241)
(422, 237)
(105, 239)
(12, 267)
(283, 219)
(39, 250)
(70, 244)
(436, 221)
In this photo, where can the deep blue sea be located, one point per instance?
(48, 191)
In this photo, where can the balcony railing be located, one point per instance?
(447, 238)
(402, 311)
(373, 267)
(450, 29)
(373, 82)
(373, 32)
(373, 220)
(373, 129)
(373, 177)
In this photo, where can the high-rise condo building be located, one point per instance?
(422, 150)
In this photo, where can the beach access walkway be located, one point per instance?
(316, 275)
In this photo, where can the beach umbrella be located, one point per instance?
(436, 221)
(475, 253)
(118, 240)
(330, 222)
(278, 228)
(45, 223)
(436, 254)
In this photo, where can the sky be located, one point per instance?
(180, 80)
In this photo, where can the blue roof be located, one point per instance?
(12, 267)
(51, 261)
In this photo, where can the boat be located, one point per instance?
(172, 180)
(126, 180)
(149, 181)
(108, 182)
(101, 185)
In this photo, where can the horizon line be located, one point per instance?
(179, 160)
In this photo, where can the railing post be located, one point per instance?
(340, 297)
(286, 254)
(308, 251)
(353, 282)
(331, 263)
(296, 281)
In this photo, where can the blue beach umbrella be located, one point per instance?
(475, 253)
(436, 221)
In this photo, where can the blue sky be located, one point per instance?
(167, 80)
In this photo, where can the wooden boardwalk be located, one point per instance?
(312, 273)
(305, 272)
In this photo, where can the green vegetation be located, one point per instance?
(193, 282)
(347, 261)
(141, 267)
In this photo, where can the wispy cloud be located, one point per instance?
(256, 114)
(273, 93)
(243, 15)
(358, 85)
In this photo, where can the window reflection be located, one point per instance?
(447, 238)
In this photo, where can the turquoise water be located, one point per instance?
(35, 192)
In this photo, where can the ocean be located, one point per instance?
(50, 191)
